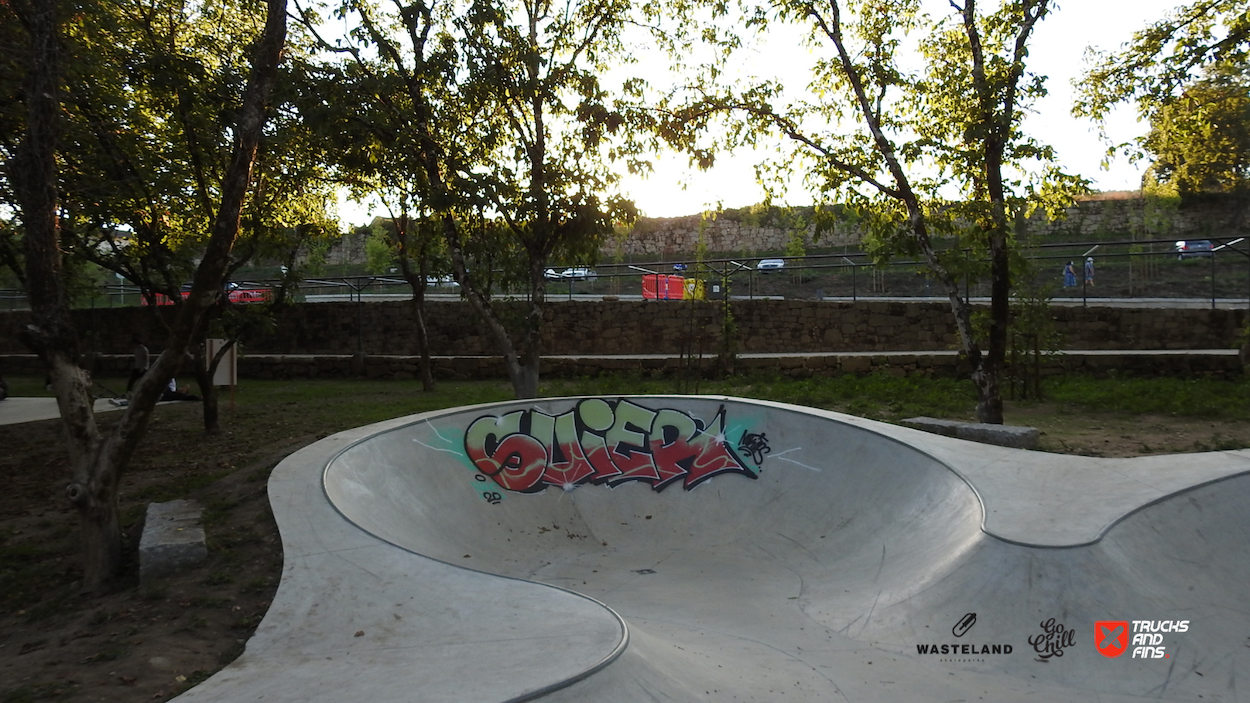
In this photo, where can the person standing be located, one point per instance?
(139, 365)
(1089, 270)
(1069, 275)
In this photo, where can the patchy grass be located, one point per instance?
(1195, 398)
(878, 396)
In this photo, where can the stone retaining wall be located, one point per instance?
(666, 327)
(934, 365)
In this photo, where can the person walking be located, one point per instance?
(1089, 270)
(1069, 275)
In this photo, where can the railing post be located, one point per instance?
(1212, 280)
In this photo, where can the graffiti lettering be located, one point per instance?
(603, 442)
(493, 497)
(756, 445)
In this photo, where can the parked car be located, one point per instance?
(1193, 247)
(446, 281)
(770, 265)
(232, 290)
(577, 273)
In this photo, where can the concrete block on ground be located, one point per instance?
(932, 424)
(1001, 435)
(173, 538)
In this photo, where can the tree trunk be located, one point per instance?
(205, 370)
(423, 336)
(987, 377)
(99, 519)
(97, 462)
(210, 397)
(532, 334)
(522, 386)
(418, 281)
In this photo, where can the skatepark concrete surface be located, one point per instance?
(698, 548)
(18, 410)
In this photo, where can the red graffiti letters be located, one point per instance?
(601, 442)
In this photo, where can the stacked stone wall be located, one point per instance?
(663, 327)
(922, 364)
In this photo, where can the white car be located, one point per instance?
(579, 273)
(770, 265)
(447, 281)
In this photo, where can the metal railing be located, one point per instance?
(1123, 269)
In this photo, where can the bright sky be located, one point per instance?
(1059, 44)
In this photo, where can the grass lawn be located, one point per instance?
(152, 642)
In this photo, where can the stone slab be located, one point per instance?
(173, 538)
(1002, 435)
(932, 424)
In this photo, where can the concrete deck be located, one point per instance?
(791, 554)
(18, 410)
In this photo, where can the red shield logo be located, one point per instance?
(1111, 637)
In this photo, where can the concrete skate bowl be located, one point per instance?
(761, 550)
(695, 549)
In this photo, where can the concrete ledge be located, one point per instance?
(173, 537)
(1001, 435)
(931, 424)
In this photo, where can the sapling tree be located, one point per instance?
(498, 113)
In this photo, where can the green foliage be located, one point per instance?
(1152, 69)
(379, 252)
(912, 154)
(148, 117)
(1200, 141)
(1161, 205)
(1243, 337)
(1197, 397)
(525, 139)
(488, 120)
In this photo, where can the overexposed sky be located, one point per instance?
(1057, 49)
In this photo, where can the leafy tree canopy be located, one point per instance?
(1153, 68)
(1200, 141)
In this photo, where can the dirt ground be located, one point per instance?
(1113, 435)
(153, 641)
(146, 641)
